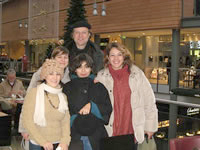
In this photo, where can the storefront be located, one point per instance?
(187, 121)
(152, 52)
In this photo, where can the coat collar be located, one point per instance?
(134, 71)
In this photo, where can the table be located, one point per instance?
(3, 114)
(13, 107)
(9, 102)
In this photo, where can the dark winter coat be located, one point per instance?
(81, 91)
(92, 50)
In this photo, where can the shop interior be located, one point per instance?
(152, 53)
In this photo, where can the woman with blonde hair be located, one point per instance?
(132, 98)
(45, 113)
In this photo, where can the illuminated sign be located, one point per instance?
(192, 111)
(165, 123)
(195, 44)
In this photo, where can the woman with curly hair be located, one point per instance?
(132, 98)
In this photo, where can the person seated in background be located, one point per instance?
(11, 88)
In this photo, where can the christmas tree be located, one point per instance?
(75, 12)
(48, 51)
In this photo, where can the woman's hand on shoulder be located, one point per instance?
(150, 134)
(85, 109)
(48, 146)
(63, 146)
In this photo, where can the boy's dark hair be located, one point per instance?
(78, 60)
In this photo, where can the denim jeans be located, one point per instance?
(86, 143)
(34, 147)
(38, 147)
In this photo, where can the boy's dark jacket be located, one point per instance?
(81, 91)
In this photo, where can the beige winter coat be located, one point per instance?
(144, 110)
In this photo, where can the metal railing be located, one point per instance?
(178, 103)
(187, 121)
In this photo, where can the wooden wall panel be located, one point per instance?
(122, 15)
(62, 17)
(188, 8)
(63, 4)
(134, 15)
(15, 10)
(12, 12)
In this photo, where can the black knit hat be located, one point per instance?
(81, 23)
(86, 125)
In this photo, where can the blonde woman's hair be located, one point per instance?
(59, 50)
(50, 66)
(128, 60)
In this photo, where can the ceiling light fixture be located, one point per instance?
(95, 13)
(20, 24)
(103, 13)
(25, 24)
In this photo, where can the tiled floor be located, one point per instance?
(16, 138)
(15, 144)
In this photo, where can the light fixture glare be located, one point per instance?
(26, 25)
(20, 24)
(103, 13)
(95, 13)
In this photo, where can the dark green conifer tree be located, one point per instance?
(75, 12)
(48, 51)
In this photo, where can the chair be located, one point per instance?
(186, 143)
(5, 130)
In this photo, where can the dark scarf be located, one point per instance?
(122, 102)
(74, 51)
(79, 93)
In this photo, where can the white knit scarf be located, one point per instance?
(39, 114)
